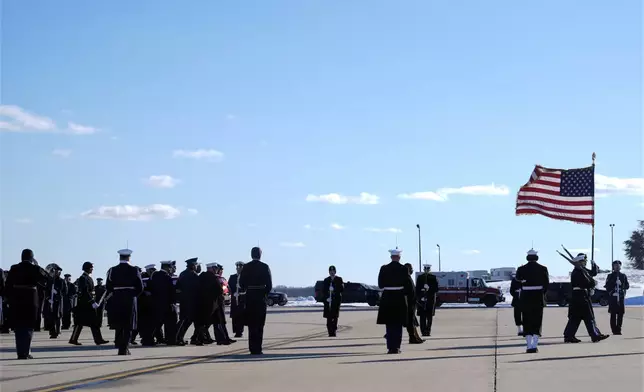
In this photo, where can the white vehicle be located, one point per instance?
(501, 274)
(461, 287)
(482, 274)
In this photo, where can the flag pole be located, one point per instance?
(592, 243)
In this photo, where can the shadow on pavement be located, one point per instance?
(397, 358)
(578, 357)
(281, 357)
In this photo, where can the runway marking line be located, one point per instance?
(156, 368)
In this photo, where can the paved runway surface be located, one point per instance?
(471, 350)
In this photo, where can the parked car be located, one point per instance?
(353, 293)
(274, 297)
(560, 292)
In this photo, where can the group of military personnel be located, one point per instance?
(148, 303)
(145, 303)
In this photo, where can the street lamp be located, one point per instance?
(612, 246)
(420, 266)
(439, 257)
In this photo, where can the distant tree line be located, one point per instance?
(634, 247)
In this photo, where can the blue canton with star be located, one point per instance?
(578, 182)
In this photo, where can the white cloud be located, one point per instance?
(192, 211)
(471, 252)
(62, 153)
(388, 230)
(292, 244)
(162, 181)
(133, 213)
(209, 155)
(24, 221)
(605, 186)
(307, 227)
(335, 198)
(78, 129)
(442, 194)
(337, 226)
(16, 119)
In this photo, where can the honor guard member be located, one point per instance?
(426, 290)
(4, 308)
(85, 310)
(581, 307)
(100, 292)
(21, 289)
(412, 321)
(255, 283)
(188, 290)
(125, 285)
(515, 292)
(219, 319)
(235, 304)
(2, 299)
(165, 301)
(616, 286)
(146, 321)
(69, 302)
(332, 288)
(534, 279)
(208, 303)
(55, 293)
(394, 280)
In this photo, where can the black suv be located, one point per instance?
(274, 297)
(353, 293)
(560, 292)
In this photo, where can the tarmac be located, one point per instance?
(471, 349)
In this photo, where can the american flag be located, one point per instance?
(559, 194)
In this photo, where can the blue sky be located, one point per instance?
(253, 106)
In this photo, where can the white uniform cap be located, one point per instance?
(124, 252)
(211, 265)
(395, 252)
(532, 252)
(427, 266)
(150, 266)
(579, 258)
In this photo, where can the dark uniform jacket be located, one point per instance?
(332, 310)
(21, 288)
(426, 296)
(2, 299)
(397, 288)
(236, 304)
(188, 289)
(616, 300)
(256, 282)
(69, 302)
(54, 297)
(515, 292)
(100, 292)
(210, 290)
(532, 275)
(84, 313)
(125, 284)
(163, 293)
(580, 304)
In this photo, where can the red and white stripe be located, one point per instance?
(542, 196)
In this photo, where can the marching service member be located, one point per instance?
(426, 290)
(616, 285)
(534, 279)
(332, 288)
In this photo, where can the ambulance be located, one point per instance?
(462, 288)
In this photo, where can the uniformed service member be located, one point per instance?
(255, 283)
(125, 285)
(394, 280)
(534, 279)
(86, 305)
(146, 321)
(208, 303)
(188, 291)
(236, 306)
(69, 302)
(426, 291)
(515, 292)
(4, 307)
(165, 301)
(55, 293)
(581, 307)
(100, 292)
(219, 316)
(616, 286)
(332, 288)
(21, 289)
(412, 323)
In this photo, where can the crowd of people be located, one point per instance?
(160, 307)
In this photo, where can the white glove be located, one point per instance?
(54, 291)
(328, 300)
(426, 287)
(424, 299)
(51, 301)
(330, 288)
(95, 305)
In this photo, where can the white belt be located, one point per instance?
(578, 288)
(532, 288)
(393, 288)
(125, 288)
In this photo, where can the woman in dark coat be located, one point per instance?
(412, 320)
(332, 288)
(617, 286)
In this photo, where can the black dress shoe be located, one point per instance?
(256, 353)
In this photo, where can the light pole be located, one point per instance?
(420, 266)
(612, 247)
(439, 257)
